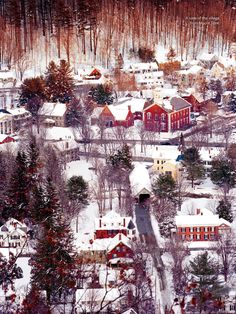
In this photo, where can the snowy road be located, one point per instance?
(147, 235)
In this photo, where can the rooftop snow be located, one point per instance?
(139, 179)
(53, 109)
(204, 218)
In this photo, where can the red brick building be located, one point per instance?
(167, 116)
(203, 226)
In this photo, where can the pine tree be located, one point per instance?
(77, 189)
(17, 195)
(205, 274)
(224, 210)
(165, 187)
(193, 164)
(223, 174)
(53, 264)
(59, 82)
(74, 113)
(102, 94)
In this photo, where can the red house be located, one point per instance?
(173, 114)
(111, 224)
(203, 226)
(119, 249)
(196, 105)
(6, 139)
(112, 115)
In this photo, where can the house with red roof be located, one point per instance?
(167, 115)
(6, 139)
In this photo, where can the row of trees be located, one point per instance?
(78, 28)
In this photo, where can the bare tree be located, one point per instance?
(225, 248)
(179, 252)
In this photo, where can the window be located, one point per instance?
(198, 229)
(163, 117)
(212, 229)
(183, 229)
(206, 229)
(149, 115)
(183, 237)
(198, 237)
(156, 117)
(114, 255)
(205, 236)
(118, 249)
(191, 229)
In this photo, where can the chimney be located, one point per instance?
(124, 222)
(198, 211)
(129, 108)
(119, 236)
(100, 222)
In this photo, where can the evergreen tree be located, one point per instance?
(77, 189)
(224, 210)
(17, 199)
(74, 113)
(223, 174)
(102, 94)
(205, 274)
(122, 158)
(165, 187)
(53, 264)
(59, 82)
(193, 164)
(164, 203)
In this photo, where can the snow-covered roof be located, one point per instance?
(136, 104)
(119, 238)
(140, 180)
(3, 137)
(18, 111)
(227, 62)
(119, 112)
(6, 75)
(96, 112)
(112, 221)
(130, 311)
(141, 66)
(84, 296)
(164, 152)
(195, 69)
(207, 154)
(11, 223)
(65, 145)
(203, 218)
(53, 109)
(208, 57)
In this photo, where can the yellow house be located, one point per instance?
(166, 160)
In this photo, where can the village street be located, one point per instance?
(147, 236)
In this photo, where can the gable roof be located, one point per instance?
(179, 103)
(53, 109)
(119, 238)
(204, 218)
(112, 221)
(140, 180)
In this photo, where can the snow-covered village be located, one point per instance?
(117, 156)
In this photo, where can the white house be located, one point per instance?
(13, 235)
(54, 113)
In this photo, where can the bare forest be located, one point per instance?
(98, 31)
